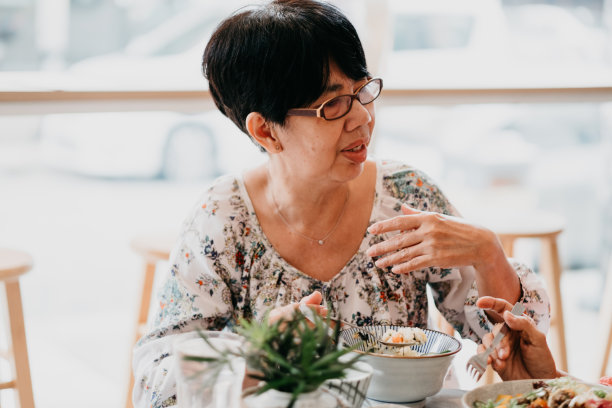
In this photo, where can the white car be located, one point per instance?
(443, 42)
(144, 144)
(130, 145)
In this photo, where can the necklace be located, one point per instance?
(318, 241)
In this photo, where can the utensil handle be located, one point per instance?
(517, 310)
(496, 340)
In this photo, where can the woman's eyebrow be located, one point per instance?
(332, 88)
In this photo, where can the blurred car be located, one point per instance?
(131, 145)
(135, 145)
(443, 42)
(480, 43)
(167, 57)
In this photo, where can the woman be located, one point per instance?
(319, 222)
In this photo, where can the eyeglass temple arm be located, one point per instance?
(304, 112)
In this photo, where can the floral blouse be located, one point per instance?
(223, 268)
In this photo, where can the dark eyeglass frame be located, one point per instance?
(318, 112)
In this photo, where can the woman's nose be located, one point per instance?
(359, 115)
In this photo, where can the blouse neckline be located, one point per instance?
(246, 199)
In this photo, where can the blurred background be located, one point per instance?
(76, 188)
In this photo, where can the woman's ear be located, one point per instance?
(261, 131)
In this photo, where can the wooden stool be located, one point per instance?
(546, 228)
(605, 323)
(13, 264)
(153, 248)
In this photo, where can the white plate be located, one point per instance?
(491, 391)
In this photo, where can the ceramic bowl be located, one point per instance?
(405, 378)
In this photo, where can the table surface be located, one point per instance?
(446, 398)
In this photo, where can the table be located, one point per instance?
(446, 398)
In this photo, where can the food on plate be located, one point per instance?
(606, 381)
(564, 392)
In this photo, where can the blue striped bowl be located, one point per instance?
(398, 378)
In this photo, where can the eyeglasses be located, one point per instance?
(340, 105)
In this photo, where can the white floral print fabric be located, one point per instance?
(223, 268)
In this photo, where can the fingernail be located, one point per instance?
(372, 229)
(379, 263)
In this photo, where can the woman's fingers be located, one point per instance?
(498, 365)
(285, 312)
(401, 256)
(495, 307)
(486, 340)
(399, 223)
(404, 240)
(315, 298)
(413, 264)
(281, 312)
(526, 326)
(407, 210)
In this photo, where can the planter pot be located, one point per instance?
(278, 399)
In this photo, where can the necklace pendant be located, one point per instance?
(321, 242)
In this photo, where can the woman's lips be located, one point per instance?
(357, 153)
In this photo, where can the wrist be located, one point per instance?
(491, 254)
(494, 274)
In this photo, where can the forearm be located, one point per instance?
(494, 274)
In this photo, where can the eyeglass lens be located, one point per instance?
(342, 104)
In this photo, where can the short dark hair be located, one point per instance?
(275, 57)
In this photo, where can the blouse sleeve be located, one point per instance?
(198, 293)
(454, 290)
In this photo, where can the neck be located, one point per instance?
(310, 208)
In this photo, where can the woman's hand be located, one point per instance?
(286, 312)
(428, 239)
(523, 352)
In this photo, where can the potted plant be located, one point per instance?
(291, 358)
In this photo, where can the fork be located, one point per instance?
(477, 364)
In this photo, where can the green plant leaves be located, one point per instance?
(289, 355)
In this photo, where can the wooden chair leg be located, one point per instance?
(141, 321)
(551, 270)
(605, 323)
(23, 379)
(145, 298)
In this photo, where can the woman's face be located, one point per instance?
(316, 149)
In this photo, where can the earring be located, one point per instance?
(277, 147)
